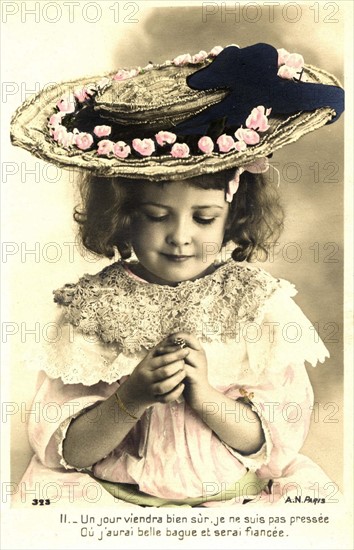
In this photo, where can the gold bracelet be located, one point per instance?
(123, 407)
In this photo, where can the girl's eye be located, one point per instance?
(204, 221)
(156, 218)
(197, 219)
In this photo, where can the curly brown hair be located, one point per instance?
(255, 221)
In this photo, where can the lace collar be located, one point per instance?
(122, 308)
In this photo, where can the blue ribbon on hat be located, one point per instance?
(251, 76)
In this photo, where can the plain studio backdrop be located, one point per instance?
(57, 42)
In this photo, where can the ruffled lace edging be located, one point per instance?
(74, 366)
(60, 436)
(289, 336)
(283, 289)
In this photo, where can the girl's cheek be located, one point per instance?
(140, 226)
(147, 228)
(217, 231)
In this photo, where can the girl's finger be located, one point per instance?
(165, 386)
(162, 373)
(192, 359)
(167, 358)
(172, 395)
(162, 350)
(190, 339)
(189, 370)
(164, 342)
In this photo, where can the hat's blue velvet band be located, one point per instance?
(251, 76)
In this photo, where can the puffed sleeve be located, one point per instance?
(57, 404)
(76, 372)
(281, 393)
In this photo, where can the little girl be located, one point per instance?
(176, 379)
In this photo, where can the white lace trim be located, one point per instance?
(119, 308)
(252, 462)
(75, 364)
(60, 436)
(290, 338)
(219, 306)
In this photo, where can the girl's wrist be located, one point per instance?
(198, 396)
(131, 404)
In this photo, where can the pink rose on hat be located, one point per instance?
(286, 72)
(67, 103)
(69, 139)
(240, 146)
(206, 144)
(289, 72)
(295, 60)
(283, 55)
(105, 147)
(84, 140)
(63, 137)
(163, 137)
(148, 67)
(58, 133)
(101, 131)
(199, 57)
(144, 146)
(55, 119)
(225, 143)
(258, 119)
(91, 88)
(290, 64)
(81, 94)
(103, 82)
(121, 149)
(124, 74)
(182, 59)
(180, 150)
(216, 50)
(250, 137)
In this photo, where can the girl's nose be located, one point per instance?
(180, 233)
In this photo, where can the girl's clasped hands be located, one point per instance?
(176, 366)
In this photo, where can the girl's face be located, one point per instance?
(178, 231)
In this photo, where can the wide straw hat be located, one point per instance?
(193, 115)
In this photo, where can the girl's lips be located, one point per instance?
(176, 257)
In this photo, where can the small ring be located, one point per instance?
(180, 342)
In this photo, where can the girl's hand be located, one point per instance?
(158, 377)
(196, 367)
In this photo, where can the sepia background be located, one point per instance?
(39, 232)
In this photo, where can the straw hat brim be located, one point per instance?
(29, 130)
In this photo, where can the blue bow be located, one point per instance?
(251, 76)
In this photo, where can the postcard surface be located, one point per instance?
(256, 460)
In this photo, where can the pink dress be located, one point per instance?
(256, 340)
